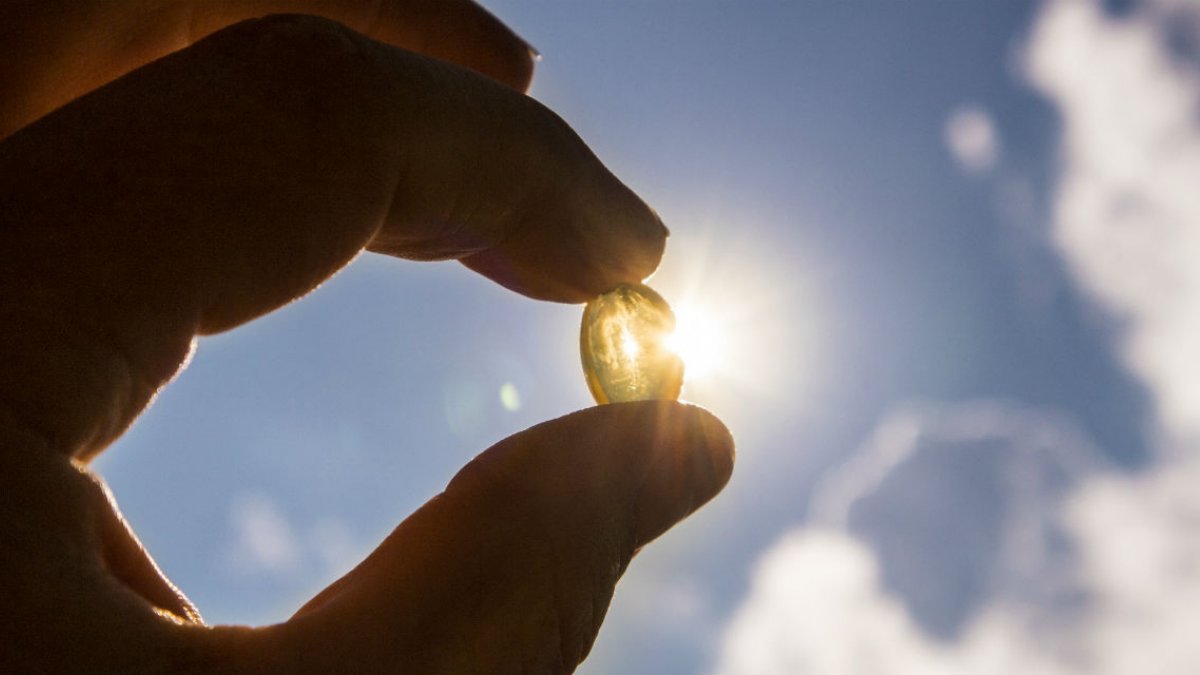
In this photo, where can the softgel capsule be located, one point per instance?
(623, 345)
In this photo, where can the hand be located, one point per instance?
(231, 176)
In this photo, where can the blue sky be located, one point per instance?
(948, 245)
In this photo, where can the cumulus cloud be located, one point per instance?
(1141, 539)
(1127, 218)
(930, 551)
(970, 136)
(958, 503)
(1088, 571)
(816, 607)
(1100, 579)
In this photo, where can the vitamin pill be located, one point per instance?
(622, 343)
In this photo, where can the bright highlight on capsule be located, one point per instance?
(625, 343)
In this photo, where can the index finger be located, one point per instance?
(53, 51)
(225, 180)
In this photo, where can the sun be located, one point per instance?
(699, 340)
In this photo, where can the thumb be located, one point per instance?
(512, 567)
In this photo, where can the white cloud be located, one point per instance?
(941, 504)
(1141, 545)
(1123, 598)
(1128, 211)
(816, 607)
(263, 538)
(1127, 222)
(959, 502)
(265, 542)
(971, 137)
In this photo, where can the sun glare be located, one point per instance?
(746, 327)
(698, 340)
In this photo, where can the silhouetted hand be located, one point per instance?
(230, 176)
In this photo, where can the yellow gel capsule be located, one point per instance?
(623, 346)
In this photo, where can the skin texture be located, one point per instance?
(175, 169)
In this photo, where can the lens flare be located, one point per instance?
(698, 339)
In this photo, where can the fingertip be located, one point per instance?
(463, 32)
(584, 245)
(694, 454)
(716, 438)
(666, 454)
(515, 64)
(654, 461)
(629, 238)
(512, 58)
(526, 66)
(662, 227)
